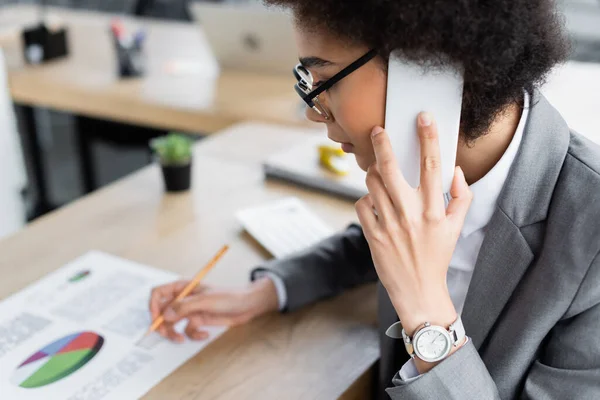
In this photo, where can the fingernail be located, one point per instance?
(425, 119)
(170, 314)
(376, 131)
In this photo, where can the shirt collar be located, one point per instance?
(487, 189)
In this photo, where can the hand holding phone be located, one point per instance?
(411, 89)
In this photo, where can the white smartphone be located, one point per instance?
(411, 89)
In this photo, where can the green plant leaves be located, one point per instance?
(173, 149)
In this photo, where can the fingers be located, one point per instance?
(190, 305)
(168, 330)
(366, 216)
(461, 199)
(162, 329)
(162, 295)
(184, 308)
(194, 331)
(387, 166)
(206, 307)
(228, 302)
(175, 336)
(379, 195)
(431, 166)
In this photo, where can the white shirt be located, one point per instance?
(485, 196)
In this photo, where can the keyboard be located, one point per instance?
(284, 227)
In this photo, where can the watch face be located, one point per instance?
(432, 344)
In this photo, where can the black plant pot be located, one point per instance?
(177, 177)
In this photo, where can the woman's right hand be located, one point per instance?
(210, 306)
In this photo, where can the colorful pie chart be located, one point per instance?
(57, 360)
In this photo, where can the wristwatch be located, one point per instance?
(430, 343)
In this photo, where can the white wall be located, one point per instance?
(574, 89)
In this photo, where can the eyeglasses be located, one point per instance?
(304, 87)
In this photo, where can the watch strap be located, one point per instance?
(457, 331)
(396, 331)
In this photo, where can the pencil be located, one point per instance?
(190, 286)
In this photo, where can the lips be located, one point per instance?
(347, 148)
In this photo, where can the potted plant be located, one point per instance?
(174, 152)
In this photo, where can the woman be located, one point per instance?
(514, 253)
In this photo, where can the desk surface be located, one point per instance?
(198, 99)
(324, 351)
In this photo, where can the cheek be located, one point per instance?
(357, 114)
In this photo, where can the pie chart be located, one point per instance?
(57, 360)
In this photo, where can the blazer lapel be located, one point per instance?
(503, 259)
(525, 198)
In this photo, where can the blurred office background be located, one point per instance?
(56, 129)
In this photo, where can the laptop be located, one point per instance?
(248, 37)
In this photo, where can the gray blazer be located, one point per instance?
(533, 305)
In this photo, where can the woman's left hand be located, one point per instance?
(410, 232)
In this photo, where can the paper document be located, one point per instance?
(72, 335)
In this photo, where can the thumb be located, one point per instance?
(461, 199)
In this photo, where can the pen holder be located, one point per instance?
(41, 45)
(131, 61)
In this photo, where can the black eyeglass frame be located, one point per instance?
(305, 81)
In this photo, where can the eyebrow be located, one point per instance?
(308, 62)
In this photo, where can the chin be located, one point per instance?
(363, 162)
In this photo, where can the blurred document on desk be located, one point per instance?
(300, 165)
(284, 226)
(72, 335)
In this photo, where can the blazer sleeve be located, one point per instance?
(568, 366)
(337, 263)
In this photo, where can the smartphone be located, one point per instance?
(412, 88)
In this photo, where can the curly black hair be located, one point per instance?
(505, 46)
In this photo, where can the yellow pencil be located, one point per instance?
(190, 286)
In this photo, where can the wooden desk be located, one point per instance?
(325, 351)
(86, 83)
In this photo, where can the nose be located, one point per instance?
(314, 116)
